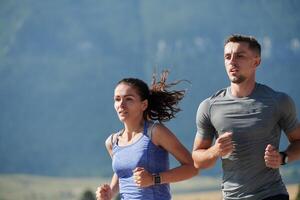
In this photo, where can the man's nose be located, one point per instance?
(232, 59)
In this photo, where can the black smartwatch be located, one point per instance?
(284, 157)
(156, 179)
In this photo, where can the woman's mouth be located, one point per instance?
(123, 112)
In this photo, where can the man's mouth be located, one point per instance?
(233, 70)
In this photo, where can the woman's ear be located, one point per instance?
(144, 104)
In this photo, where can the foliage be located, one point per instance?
(118, 197)
(298, 194)
(88, 195)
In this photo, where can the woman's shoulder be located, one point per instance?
(156, 130)
(155, 126)
(112, 138)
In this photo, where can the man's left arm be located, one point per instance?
(274, 159)
(293, 150)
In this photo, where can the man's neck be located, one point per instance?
(242, 89)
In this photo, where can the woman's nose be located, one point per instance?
(122, 103)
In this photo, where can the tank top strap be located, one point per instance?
(150, 129)
(145, 129)
(114, 137)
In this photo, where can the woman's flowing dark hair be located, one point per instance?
(162, 102)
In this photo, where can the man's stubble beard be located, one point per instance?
(238, 79)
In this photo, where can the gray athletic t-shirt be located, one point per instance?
(256, 121)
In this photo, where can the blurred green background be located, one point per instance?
(60, 61)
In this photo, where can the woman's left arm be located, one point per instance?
(163, 137)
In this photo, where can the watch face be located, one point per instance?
(157, 179)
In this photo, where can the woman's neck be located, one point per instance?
(133, 128)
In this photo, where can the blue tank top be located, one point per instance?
(141, 153)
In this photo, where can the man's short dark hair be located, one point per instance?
(253, 44)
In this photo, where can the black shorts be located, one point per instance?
(278, 197)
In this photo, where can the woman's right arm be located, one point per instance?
(114, 185)
(107, 192)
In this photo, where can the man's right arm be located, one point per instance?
(205, 154)
(202, 155)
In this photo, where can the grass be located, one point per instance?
(29, 187)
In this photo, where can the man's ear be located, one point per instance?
(257, 61)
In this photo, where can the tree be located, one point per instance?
(118, 197)
(88, 195)
(298, 195)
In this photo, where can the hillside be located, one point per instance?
(60, 61)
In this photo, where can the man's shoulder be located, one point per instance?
(218, 95)
(266, 90)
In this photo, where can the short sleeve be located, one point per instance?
(205, 128)
(288, 117)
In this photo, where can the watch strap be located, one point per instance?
(284, 158)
